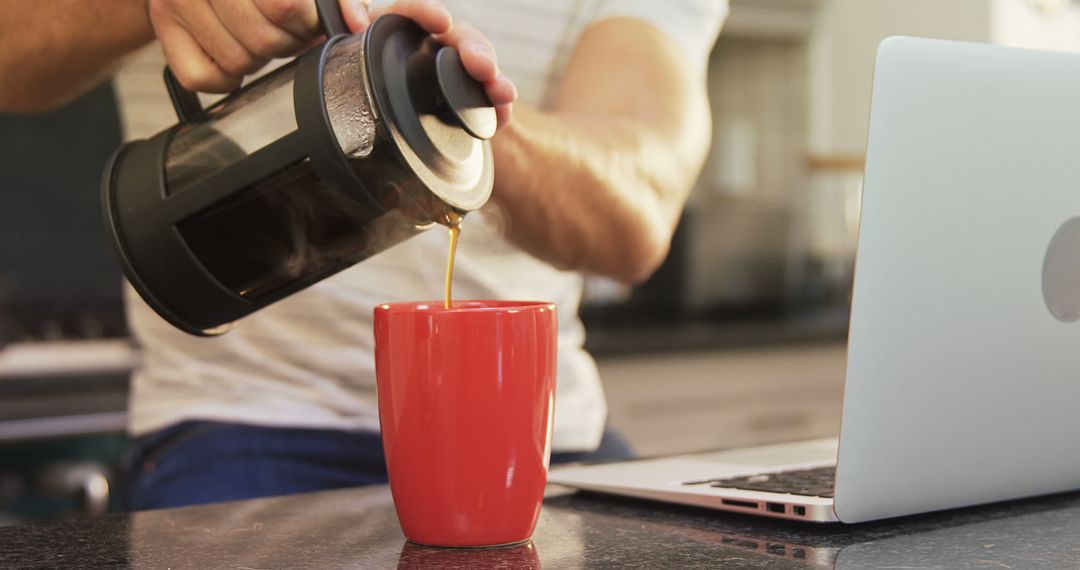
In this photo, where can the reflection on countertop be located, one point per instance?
(357, 528)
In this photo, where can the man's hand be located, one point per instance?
(477, 52)
(212, 44)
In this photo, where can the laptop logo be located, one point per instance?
(1061, 272)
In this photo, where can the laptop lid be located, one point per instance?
(963, 380)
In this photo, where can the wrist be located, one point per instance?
(137, 21)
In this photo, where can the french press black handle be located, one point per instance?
(186, 103)
(331, 20)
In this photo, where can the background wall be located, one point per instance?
(842, 47)
(1037, 24)
(845, 35)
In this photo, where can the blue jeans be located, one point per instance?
(207, 462)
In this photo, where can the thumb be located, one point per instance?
(356, 14)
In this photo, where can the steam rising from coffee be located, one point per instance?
(293, 225)
(328, 230)
(314, 211)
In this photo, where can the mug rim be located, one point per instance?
(465, 306)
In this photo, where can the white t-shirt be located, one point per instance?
(307, 361)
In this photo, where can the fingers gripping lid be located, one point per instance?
(438, 117)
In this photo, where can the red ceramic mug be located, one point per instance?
(466, 398)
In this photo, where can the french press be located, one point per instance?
(352, 147)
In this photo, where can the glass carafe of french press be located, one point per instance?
(351, 148)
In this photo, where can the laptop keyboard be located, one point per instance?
(817, 482)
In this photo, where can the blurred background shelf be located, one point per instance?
(62, 389)
(656, 338)
(696, 401)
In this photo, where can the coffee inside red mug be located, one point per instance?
(466, 398)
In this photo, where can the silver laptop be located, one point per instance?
(963, 373)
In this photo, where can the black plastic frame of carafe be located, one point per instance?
(154, 256)
(144, 233)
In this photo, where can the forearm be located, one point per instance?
(597, 184)
(51, 51)
(595, 194)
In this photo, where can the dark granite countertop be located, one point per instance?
(357, 528)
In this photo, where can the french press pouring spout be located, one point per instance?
(354, 146)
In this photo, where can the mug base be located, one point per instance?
(472, 547)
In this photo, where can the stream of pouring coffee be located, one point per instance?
(453, 220)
